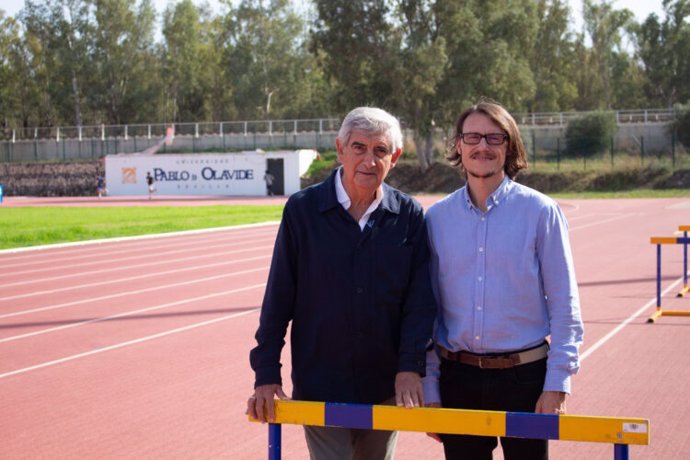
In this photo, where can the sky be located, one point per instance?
(641, 8)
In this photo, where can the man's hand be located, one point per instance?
(263, 399)
(551, 402)
(408, 390)
(434, 436)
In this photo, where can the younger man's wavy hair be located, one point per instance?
(516, 156)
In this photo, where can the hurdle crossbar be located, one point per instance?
(621, 432)
(664, 240)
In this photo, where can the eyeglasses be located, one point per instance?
(491, 138)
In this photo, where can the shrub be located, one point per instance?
(590, 134)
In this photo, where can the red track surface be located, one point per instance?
(139, 349)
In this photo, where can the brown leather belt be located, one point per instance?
(496, 361)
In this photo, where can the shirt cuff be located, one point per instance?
(557, 380)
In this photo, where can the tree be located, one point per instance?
(553, 60)
(186, 67)
(419, 68)
(664, 48)
(267, 63)
(9, 78)
(64, 31)
(125, 66)
(604, 26)
(357, 42)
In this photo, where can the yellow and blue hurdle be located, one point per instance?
(621, 432)
(659, 241)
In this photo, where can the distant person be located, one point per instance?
(269, 179)
(502, 269)
(150, 183)
(100, 186)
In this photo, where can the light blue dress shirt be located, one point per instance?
(504, 280)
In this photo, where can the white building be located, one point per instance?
(240, 174)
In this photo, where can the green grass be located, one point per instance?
(33, 226)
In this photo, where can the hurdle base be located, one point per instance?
(676, 313)
(660, 313)
(657, 314)
(683, 291)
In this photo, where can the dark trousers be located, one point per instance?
(513, 390)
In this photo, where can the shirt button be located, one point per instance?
(483, 219)
(476, 337)
(481, 249)
(360, 290)
(479, 279)
(479, 308)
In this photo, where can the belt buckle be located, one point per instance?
(481, 362)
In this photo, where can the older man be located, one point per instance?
(503, 271)
(350, 270)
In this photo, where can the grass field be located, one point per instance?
(33, 226)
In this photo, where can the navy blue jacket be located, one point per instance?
(360, 302)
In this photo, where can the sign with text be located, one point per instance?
(201, 174)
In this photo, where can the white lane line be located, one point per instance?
(125, 344)
(599, 222)
(160, 249)
(627, 321)
(131, 278)
(134, 238)
(128, 293)
(130, 267)
(130, 313)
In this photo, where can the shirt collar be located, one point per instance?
(495, 198)
(343, 197)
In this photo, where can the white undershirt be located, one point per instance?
(346, 202)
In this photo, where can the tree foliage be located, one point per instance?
(85, 62)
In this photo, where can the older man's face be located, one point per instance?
(366, 161)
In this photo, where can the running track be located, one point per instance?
(139, 348)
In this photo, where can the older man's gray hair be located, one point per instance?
(372, 120)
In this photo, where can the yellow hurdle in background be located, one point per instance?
(659, 241)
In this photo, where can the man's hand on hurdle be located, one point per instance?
(261, 406)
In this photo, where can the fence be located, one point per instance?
(621, 432)
(622, 117)
(279, 127)
(643, 138)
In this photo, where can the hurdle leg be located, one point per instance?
(274, 441)
(658, 311)
(621, 452)
(685, 265)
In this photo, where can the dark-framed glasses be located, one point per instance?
(491, 138)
